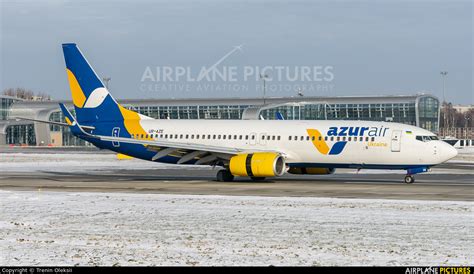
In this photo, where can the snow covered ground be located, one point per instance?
(71, 162)
(52, 228)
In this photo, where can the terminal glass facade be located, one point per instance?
(21, 135)
(393, 112)
(5, 104)
(191, 112)
(428, 109)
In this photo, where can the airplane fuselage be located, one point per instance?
(338, 144)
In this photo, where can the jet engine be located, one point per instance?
(260, 164)
(311, 170)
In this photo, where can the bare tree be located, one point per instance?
(24, 93)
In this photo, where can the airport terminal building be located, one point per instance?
(420, 110)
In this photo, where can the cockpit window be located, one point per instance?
(426, 138)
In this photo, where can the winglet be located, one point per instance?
(279, 116)
(67, 115)
(76, 128)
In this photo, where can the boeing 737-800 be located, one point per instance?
(246, 148)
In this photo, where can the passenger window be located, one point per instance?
(223, 137)
(302, 138)
(219, 136)
(349, 139)
(253, 137)
(361, 139)
(278, 138)
(246, 137)
(235, 137)
(209, 136)
(325, 138)
(320, 138)
(296, 138)
(176, 136)
(192, 136)
(203, 136)
(338, 138)
(214, 136)
(240, 137)
(166, 136)
(273, 138)
(197, 136)
(289, 138)
(230, 137)
(187, 136)
(161, 136)
(268, 137)
(366, 139)
(373, 139)
(332, 138)
(307, 138)
(343, 138)
(171, 136)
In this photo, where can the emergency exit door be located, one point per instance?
(396, 140)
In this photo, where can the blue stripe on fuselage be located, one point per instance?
(365, 166)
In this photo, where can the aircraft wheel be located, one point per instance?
(257, 178)
(409, 179)
(224, 175)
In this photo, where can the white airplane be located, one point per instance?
(255, 149)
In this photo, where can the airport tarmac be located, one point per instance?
(449, 181)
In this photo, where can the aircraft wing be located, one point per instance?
(181, 145)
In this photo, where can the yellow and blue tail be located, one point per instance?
(93, 103)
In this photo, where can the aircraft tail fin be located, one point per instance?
(92, 101)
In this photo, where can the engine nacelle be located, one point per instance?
(311, 170)
(260, 164)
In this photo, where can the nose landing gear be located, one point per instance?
(409, 179)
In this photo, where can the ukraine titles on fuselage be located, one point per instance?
(357, 131)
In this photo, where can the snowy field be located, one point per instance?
(71, 162)
(52, 228)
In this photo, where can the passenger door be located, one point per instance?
(396, 140)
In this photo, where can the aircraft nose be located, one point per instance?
(448, 151)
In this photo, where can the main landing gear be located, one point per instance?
(409, 179)
(224, 175)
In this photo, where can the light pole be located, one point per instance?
(264, 77)
(445, 109)
(106, 80)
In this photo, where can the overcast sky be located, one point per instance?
(370, 47)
